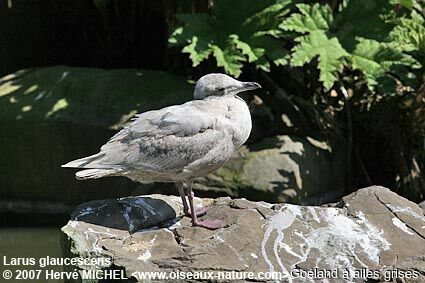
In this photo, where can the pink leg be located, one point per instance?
(199, 211)
(211, 224)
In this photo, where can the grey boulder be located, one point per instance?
(372, 230)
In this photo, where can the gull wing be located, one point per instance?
(164, 140)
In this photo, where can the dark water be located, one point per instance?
(28, 243)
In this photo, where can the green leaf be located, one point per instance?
(330, 55)
(229, 59)
(173, 38)
(246, 49)
(375, 59)
(314, 21)
(311, 18)
(269, 49)
(197, 55)
(363, 60)
(197, 39)
(409, 4)
(279, 57)
(263, 64)
(248, 33)
(409, 34)
(363, 18)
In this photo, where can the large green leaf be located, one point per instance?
(363, 18)
(246, 49)
(313, 21)
(229, 59)
(248, 33)
(375, 59)
(410, 33)
(330, 55)
(197, 53)
(310, 18)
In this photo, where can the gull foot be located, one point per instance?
(211, 224)
(199, 212)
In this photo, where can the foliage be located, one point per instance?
(233, 37)
(409, 34)
(314, 21)
(329, 61)
(373, 58)
(378, 45)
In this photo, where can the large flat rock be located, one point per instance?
(372, 230)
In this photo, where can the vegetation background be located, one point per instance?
(347, 72)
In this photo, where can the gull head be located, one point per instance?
(220, 85)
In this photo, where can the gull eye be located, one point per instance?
(221, 89)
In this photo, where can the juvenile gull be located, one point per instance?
(178, 143)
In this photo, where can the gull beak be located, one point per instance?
(249, 86)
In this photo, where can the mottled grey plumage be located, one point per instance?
(177, 143)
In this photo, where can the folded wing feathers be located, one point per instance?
(171, 120)
(94, 173)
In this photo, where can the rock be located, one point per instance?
(422, 205)
(280, 169)
(87, 96)
(56, 114)
(372, 233)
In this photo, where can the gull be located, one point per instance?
(178, 143)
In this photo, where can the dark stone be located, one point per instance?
(132, 214)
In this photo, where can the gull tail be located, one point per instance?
(85, 162)
(94, 169)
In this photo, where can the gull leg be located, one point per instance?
(190, 196)
(179, 186)
(199, 211)
(211, 224)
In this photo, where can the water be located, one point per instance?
(28, 243)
